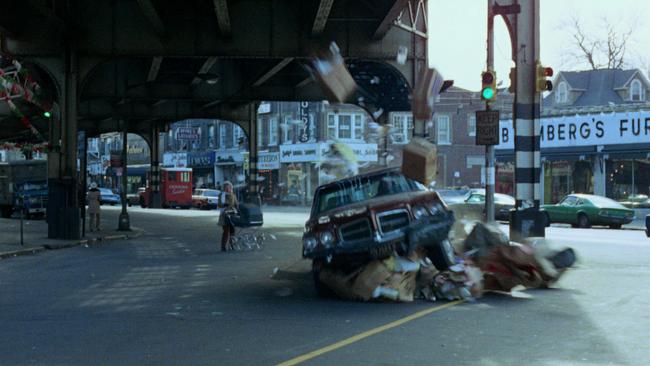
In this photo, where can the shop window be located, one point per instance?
(562, 93)
(443, 129)
(403, 128)
(222, 136)
(211, 139)
(237, 136)
(636, 91)
(260, 134)
(471, 125)
(475, 160)
(345, 126)
(288, 130)
(273, 132)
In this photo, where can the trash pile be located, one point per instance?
(485, 261)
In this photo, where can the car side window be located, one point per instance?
(569, 201)
(580, 203)
(475, 198)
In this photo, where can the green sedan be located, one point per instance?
(584, 210)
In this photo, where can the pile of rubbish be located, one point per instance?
(485, 261)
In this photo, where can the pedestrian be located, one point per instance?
(93, 206)
(230, 204)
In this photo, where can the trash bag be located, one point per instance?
(483, 238)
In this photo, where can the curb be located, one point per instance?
(136, 233)
(17, 253)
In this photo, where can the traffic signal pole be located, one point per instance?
(489, 149)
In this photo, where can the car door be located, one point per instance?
(566, 212)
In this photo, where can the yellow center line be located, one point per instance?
(366, 334)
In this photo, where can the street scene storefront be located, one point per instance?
(300, 168)
(603, 154)
(203, 172)
(268, 168)
(229, 166)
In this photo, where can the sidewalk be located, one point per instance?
(35, 236)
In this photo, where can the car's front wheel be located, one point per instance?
(442, 255)
(583, 221)
(321, 289)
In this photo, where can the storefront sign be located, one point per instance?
(201, 159)
(585, 130)
(300, 153)
(316, 152)
(175, 160)
(188, 133)
(229, 157)
(305, 127)
(268, 161)
(134, 149)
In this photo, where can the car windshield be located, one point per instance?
(105, 191)
(604, 202)
(364, 188)
(211, 193)
(452, 195)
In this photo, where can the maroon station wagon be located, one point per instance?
(372, 216)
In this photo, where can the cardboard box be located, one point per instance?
(420, 161)
(372, 276)
(333, 76)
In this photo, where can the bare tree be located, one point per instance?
(600, 52)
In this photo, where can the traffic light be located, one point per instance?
(489, 88)
(542, 84)
(47, 114)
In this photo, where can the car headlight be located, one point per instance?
(326, 238)
(420, 212)
(435, 207)
(324, 220)
(309, 243)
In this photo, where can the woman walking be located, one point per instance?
(93, 206)
(230, 205)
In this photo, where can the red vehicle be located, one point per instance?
(175, 188)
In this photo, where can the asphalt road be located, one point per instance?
(171, 298)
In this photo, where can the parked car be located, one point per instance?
(106, 196)
(473, 205)
(584, 210)
(374, 215)
(636, 201)
(205, 198)
(451, 196)
(134, 198)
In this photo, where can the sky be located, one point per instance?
(458, 28)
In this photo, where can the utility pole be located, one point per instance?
(489, 149)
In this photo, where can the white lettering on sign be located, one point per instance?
(304, 119)
(585, 130)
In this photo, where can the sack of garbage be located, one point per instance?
(483, 238)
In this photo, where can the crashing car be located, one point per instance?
(373, 216)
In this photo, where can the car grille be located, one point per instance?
(393, 220)
(356, 230)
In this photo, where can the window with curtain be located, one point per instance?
(402, 128)
(471, 125)
(345, 126)
(562, 94)
(273, 131)
(443, 129)
(222, 136)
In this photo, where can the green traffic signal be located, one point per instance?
(47, 114)
(487, 93)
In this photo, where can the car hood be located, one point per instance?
(375, 204)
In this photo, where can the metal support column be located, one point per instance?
(527, 220)
(63, 209)
(155, 199)
(123, 222)
(253, 197)
(420, 64)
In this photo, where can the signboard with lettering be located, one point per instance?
(487, 127)
(188, 133)
(585, 130)
(316, 151)
(175, 160)
(268, 161)
(305, 127)
(201, 159)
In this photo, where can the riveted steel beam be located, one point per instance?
(274, 70)
(322, 14)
